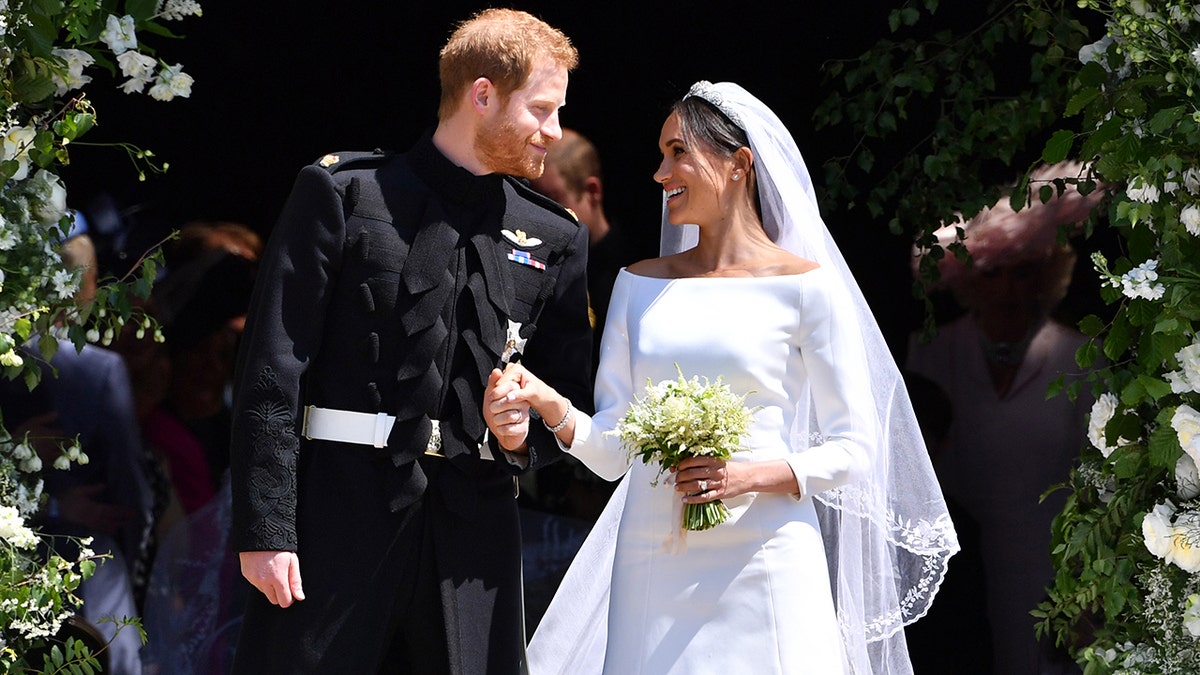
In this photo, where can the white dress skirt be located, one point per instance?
(751, 595)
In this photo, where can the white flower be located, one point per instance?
(174, 10)
(1139, 190)
(119, 34)
(1096, 51)
(1157, 530)
(1185, 542)
(76, 60)
(1139, 7)
(1179, 17)
(1191, 177)
(65, 284)
(30, 465)
(22, 451)
(52, 197)
(1186, 423)
(62, 463)
(11, 358)
(172, 82)
(1187, 478)
(1187, 378)
(1191, 616)
(136, 65)
(93, 335)
(1139, 282)
(1102, 411)
(1196, 56)
(1190, 217)
(8, 236)
(17, 143)
(13, 530)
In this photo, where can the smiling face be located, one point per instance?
(693, 177)
(514, 137)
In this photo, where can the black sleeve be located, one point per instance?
(282, 336)
(560, 352)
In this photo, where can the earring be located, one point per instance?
(737, 175)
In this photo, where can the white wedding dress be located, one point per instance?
(751, 595)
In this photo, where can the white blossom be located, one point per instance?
(1196, 56)
(30, 465)
(139, 68)
(76, 60)
(1187, 378)
(1157, 529)
(1140, 190)
(1191, 616)
(171, 82)
(62, 463)
(52, 197)
(1187, 478)
(1190, 217)
(17, 143)
(11, 358)
(1103, 410)
(1185, 542)
(1096, 51)
(8, 236)
(1139, 7)
(1179, 16)
(65, 284)
(119, 34)
(1191, 178)
(174, 10)
(1186, 423)
(1139, 282)
(13, 529)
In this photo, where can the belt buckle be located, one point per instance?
(433, 448)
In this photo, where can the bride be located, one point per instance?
(838, 534)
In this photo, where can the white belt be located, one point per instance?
(346, 426)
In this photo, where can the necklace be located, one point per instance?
(1007, 354)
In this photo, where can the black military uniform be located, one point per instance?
(391, 285)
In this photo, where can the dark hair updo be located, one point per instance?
(704, 125)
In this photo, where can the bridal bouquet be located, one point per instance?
(682, 418)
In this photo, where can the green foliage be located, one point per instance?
(1114, 82)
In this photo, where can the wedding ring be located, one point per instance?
(704, 486)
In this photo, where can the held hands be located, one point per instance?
(275, 573)
(507, 403)
(505, 410)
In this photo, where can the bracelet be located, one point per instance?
(566, 418)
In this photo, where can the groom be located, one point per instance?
(372, 513)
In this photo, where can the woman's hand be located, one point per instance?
(504, 410)
(704, 479)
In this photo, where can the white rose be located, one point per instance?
(1187, 478)
(1185, 542)
(1157, 529)
(1186, 423)
(1103, 411)
(52, 197)
(17, 143)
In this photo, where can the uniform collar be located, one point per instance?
(449, 179)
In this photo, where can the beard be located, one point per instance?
(504, 150)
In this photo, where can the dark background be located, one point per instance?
(280, 84)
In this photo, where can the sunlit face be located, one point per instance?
(692, 178)
(513, 140)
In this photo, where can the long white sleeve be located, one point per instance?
(834, 358)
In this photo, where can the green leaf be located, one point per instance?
(1166, 118)
(1154, 386)
(1164, 446)
(1091, 325)
(1085, 356)
(141, 10)
(1058, 147)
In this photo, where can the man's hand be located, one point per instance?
(275, 573)
(507, 416)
